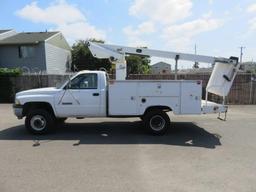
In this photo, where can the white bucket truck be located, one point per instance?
(92, 94)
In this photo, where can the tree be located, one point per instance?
(137, 64)
(82, 58)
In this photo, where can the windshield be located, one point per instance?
(64, 80)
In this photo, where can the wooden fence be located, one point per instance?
(243, 90)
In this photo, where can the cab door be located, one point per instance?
(81, 98)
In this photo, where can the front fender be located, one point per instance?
(24, 99)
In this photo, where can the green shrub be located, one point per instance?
(10, 71)
(6, 84)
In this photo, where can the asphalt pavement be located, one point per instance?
(198, 154)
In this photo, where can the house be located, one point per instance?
(161, 68)
(46, 52)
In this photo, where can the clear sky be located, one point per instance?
(218, 27)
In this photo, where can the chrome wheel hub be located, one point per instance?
(38, 122)
(157, 123)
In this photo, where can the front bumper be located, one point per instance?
(18, 111)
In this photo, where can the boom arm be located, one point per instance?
(117, 54)
(221, 79)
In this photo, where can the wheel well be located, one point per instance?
(161, 108)
(37, 105)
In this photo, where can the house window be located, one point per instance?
(26, 51)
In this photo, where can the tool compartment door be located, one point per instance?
(122, 98)
(191, 94)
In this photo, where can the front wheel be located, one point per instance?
(39, 121)
(157, 122)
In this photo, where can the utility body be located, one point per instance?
(92, 94)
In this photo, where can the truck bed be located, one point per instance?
(133, 97)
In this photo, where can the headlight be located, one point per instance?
(17, 102)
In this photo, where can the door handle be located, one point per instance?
(95, 94)
(67, 103)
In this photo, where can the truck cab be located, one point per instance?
(83, 96)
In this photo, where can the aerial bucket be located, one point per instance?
(222, 77)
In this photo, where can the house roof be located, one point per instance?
(4, 31)
(161, 63)
(27, 38)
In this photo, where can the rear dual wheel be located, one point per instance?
(156, 122)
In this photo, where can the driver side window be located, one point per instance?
(84, 81)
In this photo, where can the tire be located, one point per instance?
(156, 122)
(39, 121)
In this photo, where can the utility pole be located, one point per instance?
(241, 53)
(196, 65)
(176, 66)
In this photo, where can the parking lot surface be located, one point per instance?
(198, 154)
